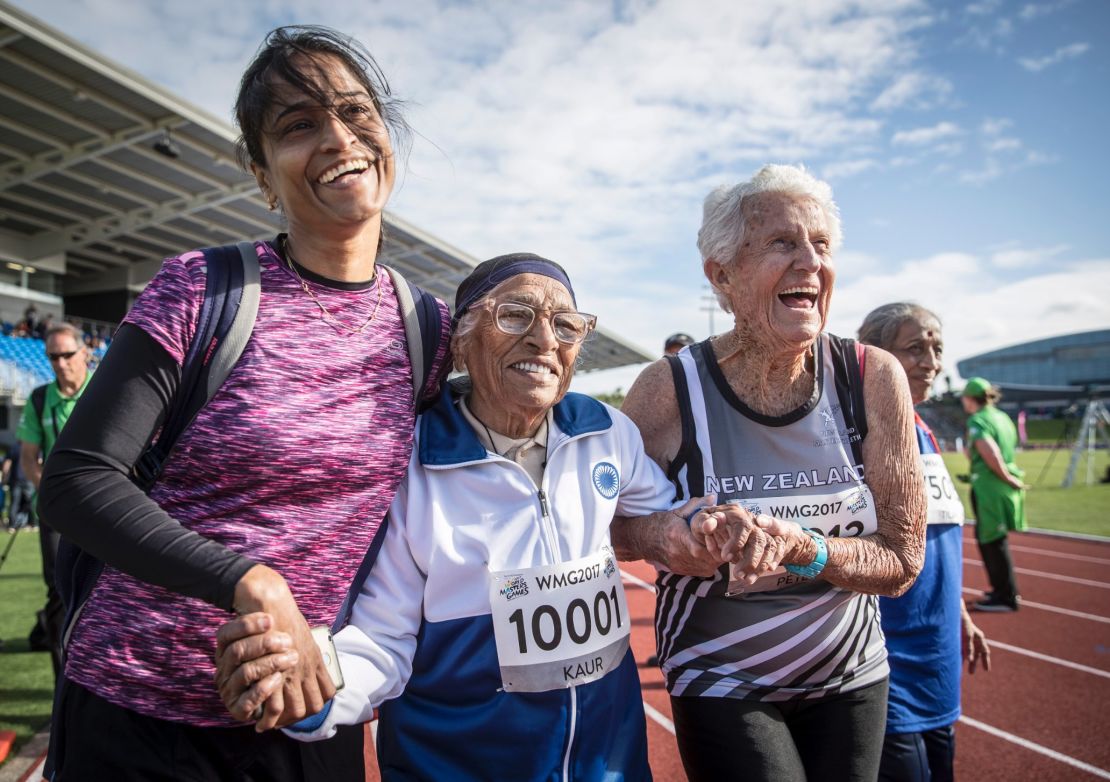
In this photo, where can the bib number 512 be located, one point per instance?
(580, 621)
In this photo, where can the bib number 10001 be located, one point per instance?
(580, 621)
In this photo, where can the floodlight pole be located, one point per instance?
(710, 305)
(1096, 421)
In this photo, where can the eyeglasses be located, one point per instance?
(60, 356)
(515, 318)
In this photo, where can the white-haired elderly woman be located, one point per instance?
(493, 630)
(807, 438)
(928, 629)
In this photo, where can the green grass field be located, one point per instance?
(1081, 508)
(26, 677)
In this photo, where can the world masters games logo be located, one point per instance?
(606, 480)
(515, 586)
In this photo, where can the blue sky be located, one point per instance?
(965, 141)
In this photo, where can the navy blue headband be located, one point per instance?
(489, 274)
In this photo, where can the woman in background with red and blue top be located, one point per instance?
(928, 629)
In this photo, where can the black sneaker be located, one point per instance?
(993, 604)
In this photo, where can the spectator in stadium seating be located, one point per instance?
(997, 490)
(783, 675)
(43, 327)
(46, 412)
(238, 520)
(30, 320)
(480, 670)
(928, 629)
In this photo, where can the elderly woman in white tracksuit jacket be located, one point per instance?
(492, 632)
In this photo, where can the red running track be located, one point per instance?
(1040, 714)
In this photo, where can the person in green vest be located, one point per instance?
(997, 490)
(47, 410)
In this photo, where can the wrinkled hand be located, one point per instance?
(306, 686)
(973, 644)
(753, 549)
(681, 548)
(251, 662)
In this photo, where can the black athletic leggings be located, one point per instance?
(838, 737)
(93, 739)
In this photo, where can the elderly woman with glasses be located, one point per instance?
(493, 630)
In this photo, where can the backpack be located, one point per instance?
(224, 325)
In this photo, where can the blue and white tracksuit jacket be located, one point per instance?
(420, 641)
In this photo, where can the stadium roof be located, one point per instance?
(1071, 366)
(103, 173)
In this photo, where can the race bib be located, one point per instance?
(945, 506)
(845, 514)
(559, 625)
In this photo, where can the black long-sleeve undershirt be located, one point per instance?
(86, 493)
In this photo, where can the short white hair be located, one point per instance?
(723, 225)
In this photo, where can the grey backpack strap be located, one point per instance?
(231, 348)
(412, 329)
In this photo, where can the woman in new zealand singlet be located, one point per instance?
(807, 441)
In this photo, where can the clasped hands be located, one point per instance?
(755, 544)
(268, 667)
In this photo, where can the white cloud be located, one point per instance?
(920, 137)
(1021, 258)
(983, 7)
(1069, 52)
(1031, 11)
(995, 126)
(843, 169)
(915, 90)
(982, 309)
(1004, 144)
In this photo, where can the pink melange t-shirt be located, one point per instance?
(293, 463)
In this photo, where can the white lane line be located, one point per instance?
(35, 772)
(1061, 555)
(1054, 609)
(1058, 577)
(1048, 658)
(1042, 553)
(1053, 576)
(659, 717)
(637, 581)
(1045, 607)
(649, 710)
(1030, 745)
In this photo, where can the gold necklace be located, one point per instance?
(326, 316)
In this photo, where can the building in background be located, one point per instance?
(1047, 373)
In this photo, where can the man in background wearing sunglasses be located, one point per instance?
(47, 410)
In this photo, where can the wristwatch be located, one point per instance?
(814, 568)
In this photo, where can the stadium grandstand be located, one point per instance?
(103, 174)
(1055, 377)
(1053, 372)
